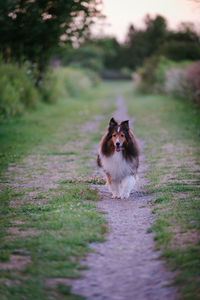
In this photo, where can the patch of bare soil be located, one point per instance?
(126, 266)
(37, 174)
(17, 262)
(17, 231)
(53, 281)
(184, 239)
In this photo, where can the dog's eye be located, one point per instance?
(114, 135)
(122, 135)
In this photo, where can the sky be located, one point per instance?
(121, 13)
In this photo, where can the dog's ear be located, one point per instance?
(125, 124)
(112, 123)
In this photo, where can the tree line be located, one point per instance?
(39, 30)
(154, 39)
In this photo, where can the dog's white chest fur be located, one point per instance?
(117, 167)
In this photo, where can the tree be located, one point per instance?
(183, 44)
(32, 29)
(142, 43)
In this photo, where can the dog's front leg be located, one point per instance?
(108, 179)
(126, 186)
(113, 187)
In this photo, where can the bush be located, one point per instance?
(73, 82)
(160, 74)
(193, 79)
(48, 87)
(17, 90)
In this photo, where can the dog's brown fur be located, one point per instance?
(130, 145)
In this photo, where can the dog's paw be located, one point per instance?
(125, 196)
(115, 196)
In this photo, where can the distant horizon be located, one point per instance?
(120, 15)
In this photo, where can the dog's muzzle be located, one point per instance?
(117, 146)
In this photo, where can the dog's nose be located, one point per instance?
(118, 144)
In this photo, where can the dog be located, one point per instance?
(118, 155)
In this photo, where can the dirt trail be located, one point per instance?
(126, 266)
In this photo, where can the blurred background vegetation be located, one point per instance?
(47, 50)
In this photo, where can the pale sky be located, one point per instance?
(120, 13)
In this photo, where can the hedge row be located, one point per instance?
(19, 93)
(161, 75)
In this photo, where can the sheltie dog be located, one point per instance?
(118, 155)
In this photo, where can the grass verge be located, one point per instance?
(44, 232)
(170, 128)
(45, 241)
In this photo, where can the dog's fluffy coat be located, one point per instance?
(118, 155)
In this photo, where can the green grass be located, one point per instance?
(53, 227)
(61, 221)
(171, 128)
(50, 126)
(62, 228)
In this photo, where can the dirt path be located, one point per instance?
(125, 267)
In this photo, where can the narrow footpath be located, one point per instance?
(126, 266)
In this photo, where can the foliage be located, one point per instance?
(20, 135)
(109, 57)
(73, 82)
(143, 43)
(88, 56)
(105, 56)
(154, 39)
(48, 87)
(180, 79)
(17, 91)
(183, 44)
(34, 29)
(160, 74)
(193, 79)
(181, 50)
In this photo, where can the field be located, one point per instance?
(48, 206)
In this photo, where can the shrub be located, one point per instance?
(17, 90)
(147, 75)
(73, 82)
(48, 88)
(160, 74)
(193, 79)
(10, 104)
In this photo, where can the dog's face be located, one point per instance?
(118, 139)
(118, 133)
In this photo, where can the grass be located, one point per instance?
(55, 226)
(50, 125)
(170, 128)
(48, 228)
